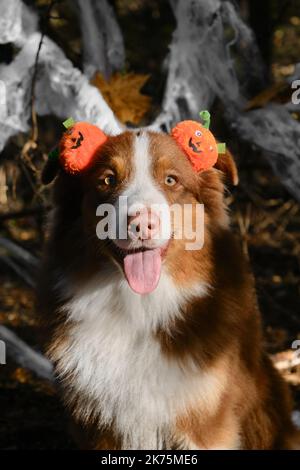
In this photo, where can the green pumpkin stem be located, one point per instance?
(205, 116)
(69, 123)
(221, 148)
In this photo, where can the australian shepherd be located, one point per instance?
(156, 346)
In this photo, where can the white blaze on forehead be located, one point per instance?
(143, 190)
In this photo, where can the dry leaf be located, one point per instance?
(122, 94)
(21, 375)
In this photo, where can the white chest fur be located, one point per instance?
(116, 360)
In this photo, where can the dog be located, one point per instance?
(156, 346)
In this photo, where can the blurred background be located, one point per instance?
(151, 61)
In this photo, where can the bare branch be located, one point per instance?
(19, 252)
(25, 356)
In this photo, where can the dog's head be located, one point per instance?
(139, 201)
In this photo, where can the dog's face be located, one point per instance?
(139, 204)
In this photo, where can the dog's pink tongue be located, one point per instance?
(142, 270)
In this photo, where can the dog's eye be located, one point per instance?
(108, 180)
(170, 180)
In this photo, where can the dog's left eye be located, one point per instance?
(170, 180)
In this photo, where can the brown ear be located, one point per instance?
(50, 171)
(227, 165)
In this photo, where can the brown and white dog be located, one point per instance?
(156, 346)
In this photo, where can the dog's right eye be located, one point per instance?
(108, 180)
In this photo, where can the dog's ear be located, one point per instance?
(50, 169)
(226, 165)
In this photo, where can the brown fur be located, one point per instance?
(221, 332)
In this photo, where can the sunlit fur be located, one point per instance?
(183, 366)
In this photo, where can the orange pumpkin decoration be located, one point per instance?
(78, 146)
(81, 141)
(198, 143)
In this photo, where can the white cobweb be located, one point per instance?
(61, 89)
(202, 67)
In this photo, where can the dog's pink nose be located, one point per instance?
(144, 226)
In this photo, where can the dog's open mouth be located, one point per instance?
(142, 267)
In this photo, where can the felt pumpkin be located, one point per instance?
(81, 141)
(78, 146)
(198, 143)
